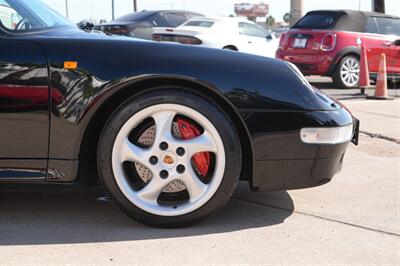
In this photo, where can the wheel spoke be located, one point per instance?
(133, 153)
(194, 186)
(202, 143)
(153, 189)
(351, 79)
(163, 121)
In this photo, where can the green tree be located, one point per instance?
(252, 18)
(286, 17)
(270, 21)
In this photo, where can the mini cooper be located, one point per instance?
(328, 43)
(167, 130)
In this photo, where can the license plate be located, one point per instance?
(300, 43)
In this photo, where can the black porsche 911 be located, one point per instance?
(168, 130)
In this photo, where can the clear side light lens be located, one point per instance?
(327, 135)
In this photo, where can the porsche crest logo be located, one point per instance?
(168, 159)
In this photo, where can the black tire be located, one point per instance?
(207, 108)
(337, 77)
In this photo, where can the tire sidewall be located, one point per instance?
(204, 106)
(337, 77)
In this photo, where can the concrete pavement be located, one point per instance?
(380, 118)
(326, 85)
(352, 220)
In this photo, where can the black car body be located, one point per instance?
(140, 24)
(58, 92)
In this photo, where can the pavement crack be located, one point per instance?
(319, 217)
(380, 136)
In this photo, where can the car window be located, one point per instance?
(200, 23)
(317, 21)
(372, 27)
(8, 16)
(137, 16)
(193, 15)
(29, 16)
(160, 20)
(388, 26)
(175, 19)
(251, 30)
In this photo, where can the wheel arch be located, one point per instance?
(351, 50)
(88, 150)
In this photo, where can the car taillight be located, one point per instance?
(328, 42)
(281, 41)
(157, 37)
(176, 38)
(189, 40)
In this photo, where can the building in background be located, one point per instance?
(251, 10)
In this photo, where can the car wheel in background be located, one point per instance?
(170, 158)
(347, 73)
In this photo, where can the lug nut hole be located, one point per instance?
(163, 146)
(153, 160)
(180, 169)
(164, 174)
(180, 151)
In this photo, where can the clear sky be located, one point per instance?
(98, 9)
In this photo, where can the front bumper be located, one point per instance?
(283, 161)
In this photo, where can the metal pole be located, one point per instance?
(66, 8)
(296, 10)
(134, 6)
(112, 10)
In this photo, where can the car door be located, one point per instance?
(254, 39)
(24, 109)
(373, 41)
(389, 28)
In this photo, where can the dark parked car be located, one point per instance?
(168, 129)
(328, 43)
(140, 24)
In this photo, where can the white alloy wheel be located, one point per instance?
(350, 72)
(165, 163)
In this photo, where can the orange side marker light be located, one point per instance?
(70, 65)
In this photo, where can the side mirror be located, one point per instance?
(396, 43)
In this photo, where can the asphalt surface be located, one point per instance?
(352, 220)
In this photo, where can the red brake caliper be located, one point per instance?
(201, 159)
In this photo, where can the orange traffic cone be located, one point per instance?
(364, 81)
(381, 91)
